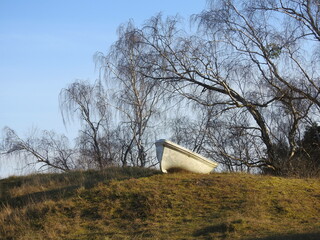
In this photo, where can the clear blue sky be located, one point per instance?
(47, 44)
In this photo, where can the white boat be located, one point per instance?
(173, 157)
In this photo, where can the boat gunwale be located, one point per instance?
(185, 151)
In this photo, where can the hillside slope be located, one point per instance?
(171, 206)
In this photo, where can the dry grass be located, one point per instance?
(171, 206)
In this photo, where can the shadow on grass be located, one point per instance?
(69, 183)
(220, 229)
(37, 197)
(223, 229)
(302, 236)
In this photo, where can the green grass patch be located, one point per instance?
(143, 204)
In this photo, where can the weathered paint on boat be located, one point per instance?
(173, 156)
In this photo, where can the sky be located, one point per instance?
(47, 44)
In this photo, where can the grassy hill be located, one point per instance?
(133, 203)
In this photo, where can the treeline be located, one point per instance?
(240, 86)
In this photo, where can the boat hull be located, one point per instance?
(172, 156)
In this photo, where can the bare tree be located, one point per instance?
(137, 97)
(304, 14)
(49, 150)
(88, 102)
(249, 66)
(192, 66)
(282, 53)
